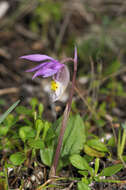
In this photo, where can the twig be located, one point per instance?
(8, 91)
(26, 33)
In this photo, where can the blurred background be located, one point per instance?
(53, 27)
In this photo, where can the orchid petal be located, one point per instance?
(63, 75)
(37, 57)
(53, 65)
(62, 78)
(49, 73)
(46, 64)
(44, 73)
(37, 67)
(57, 95)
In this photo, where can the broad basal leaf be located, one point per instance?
(109, 171)
(80, 163)
(17, 158)
(97, 145)
(74, 137)
(82, 186)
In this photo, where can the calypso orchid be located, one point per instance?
(52, 68)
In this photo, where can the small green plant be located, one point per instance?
(25, 134)
(92, 174)
(121, 143)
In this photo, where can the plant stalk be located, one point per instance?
(64, 123)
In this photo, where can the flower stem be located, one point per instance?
(64, 124)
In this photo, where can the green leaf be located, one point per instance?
(124, 158)
(80, 163)
(50, 135)
(2, 174)
(46, 155)
(40, 110)
(97, 145)
(23, 110)
(26, 133)
(34, 103)
(36, 143)
(10, 120)
(9, 111)
(4, 130)
(39, 126)
(88, 158)
(111, 142)
(109, 171)
(84, 173)
(96, 165)
(82, 186)
(45, 130)
(17, 158)
(91, 152)
(100, 122)
(112, 68)
(8, 165)
(74, 137)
